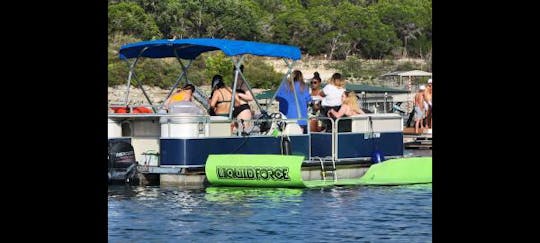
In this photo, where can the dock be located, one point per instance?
(420, 140)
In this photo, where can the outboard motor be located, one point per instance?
(122, 163)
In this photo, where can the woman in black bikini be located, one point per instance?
(241, 106)
(220, 100)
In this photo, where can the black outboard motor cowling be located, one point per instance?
(122, 163)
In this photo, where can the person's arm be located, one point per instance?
(339, 113)
(321, 93)
(307, 96)
(247, 96)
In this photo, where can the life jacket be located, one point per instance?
(141, 109)
(120, 109)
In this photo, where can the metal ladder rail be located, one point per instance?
(323, 170)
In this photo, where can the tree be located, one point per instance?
(408, 17)
(130, 19)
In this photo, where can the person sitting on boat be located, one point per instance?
(287, 102)
(332, 93)
(220, 99)
(349, 108)
(183, 94)
(419, 109)
(316, 103)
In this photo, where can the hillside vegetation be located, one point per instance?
(344, 35)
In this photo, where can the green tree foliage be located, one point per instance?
(261, 75)
(410, 19)
(130, 19)
(220, 64)
(335, 28)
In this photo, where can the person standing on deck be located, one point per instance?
(427, 98)
(287, 102)
(419, 109)
(332, 94)
(242, 111)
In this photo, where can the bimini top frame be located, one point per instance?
(191, 48)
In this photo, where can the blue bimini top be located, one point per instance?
(191, 48)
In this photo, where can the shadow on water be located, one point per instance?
(232, 195)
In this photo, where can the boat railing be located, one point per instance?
(357, 131)
(370, 125)
(204, 125)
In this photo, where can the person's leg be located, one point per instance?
(417, 119)
(430, 119)
(422, 117)
(326, 123)
(245, 115)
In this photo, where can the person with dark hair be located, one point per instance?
(241, 82)
(183, 94)
(220, 99)
(332, 94)
(242, 109)
(316, 85)
(315, 106)
(287, 102)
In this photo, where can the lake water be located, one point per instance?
(212, 214)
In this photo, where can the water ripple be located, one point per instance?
(214, 214)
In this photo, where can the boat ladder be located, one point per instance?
(325, 171)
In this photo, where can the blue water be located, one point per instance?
(350, 214)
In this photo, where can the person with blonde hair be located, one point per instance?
(349, 107)
(419, 109)
(428, 93)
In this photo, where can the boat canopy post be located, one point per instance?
(235, 82)
(180, 77)
(144, 92)
(385, 100)
(249, 88)
(189, 49)
(198, 94)
(131, 70)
